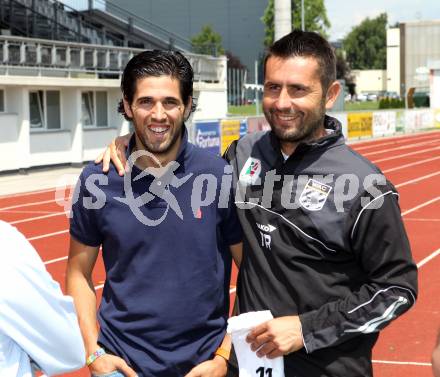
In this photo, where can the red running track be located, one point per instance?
(411, 162)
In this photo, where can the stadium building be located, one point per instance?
(410, 48)
(60, 73)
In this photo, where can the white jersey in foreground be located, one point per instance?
(36, 320)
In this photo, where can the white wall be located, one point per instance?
(95, 139)
(435, 89)
(422, 44)
(369, 80)
(393, 60)
(212, 102)
(9, 145)
(23, 147)
(49, 146)
(116, 119)
(18, 104)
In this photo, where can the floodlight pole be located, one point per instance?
(257, 94)
(282, 18)
(303, 26)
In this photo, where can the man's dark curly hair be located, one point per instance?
(157, 63)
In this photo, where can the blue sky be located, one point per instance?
(344, 14)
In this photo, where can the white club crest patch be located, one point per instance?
(251, 171)
(314, 195)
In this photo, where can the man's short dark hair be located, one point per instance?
(307, 44)
(157, 63)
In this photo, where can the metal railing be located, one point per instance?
(46, 56)
(90, 22)
(133, 19)
(26, 17)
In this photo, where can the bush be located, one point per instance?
(391, 103)
(384, 103)
(421, 99)
(398, 103)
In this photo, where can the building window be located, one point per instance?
(44, 109)
(88, 112)
(94, 109)
(36, 104)
(2, 100)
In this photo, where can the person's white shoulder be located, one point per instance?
(15, 249)
(35, 313)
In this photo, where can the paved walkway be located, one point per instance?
(35, 180)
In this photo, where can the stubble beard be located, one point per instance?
(306, 131)
(158, 148)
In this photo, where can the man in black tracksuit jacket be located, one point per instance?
(325, 249)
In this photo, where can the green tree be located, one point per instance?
(365, 45)
(207, 42)
(343, 71)
(342, 67)
(315, 18)
(234, 61)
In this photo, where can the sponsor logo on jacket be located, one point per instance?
(251, 171)
(314, 195)
(266, 239)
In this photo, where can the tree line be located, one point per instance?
(364, 47)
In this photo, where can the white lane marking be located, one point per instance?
(55, 260)
(417, 179)
(403, 214)
(28, 204)
(428, 258)
(38, 217)
(59, 213)
(394, 139)
(404, 155)
(48, 235)
(412, 164)
(421, 206)
(26, 193)
(408, 146)
(29, 212)
(421, 219)
(416, 363)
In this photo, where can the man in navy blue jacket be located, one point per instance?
(166, 247)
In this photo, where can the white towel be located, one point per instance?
(249, 364)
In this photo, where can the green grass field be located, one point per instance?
(250, 110)
(246, 110)
(356, 106)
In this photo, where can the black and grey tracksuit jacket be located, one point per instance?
(324, 239)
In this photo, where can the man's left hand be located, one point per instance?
(277, 337)
(216, 367)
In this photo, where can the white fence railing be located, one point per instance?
(43, 56)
